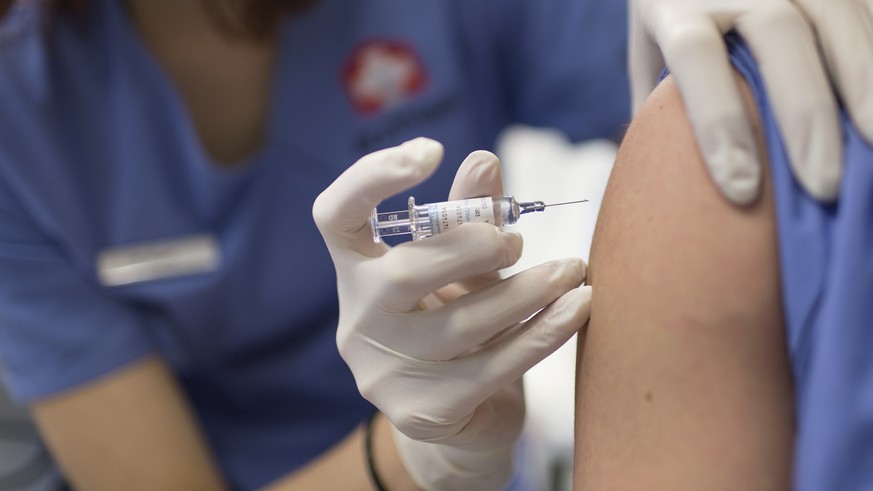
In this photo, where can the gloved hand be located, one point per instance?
(435, 339)
(784, 42)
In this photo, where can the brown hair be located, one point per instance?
(252, 18)
(4, 6)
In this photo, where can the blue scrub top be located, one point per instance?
(97, 150)
(826, 261)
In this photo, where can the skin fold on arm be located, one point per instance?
(683, 379)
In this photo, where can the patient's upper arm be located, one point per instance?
(683, 380)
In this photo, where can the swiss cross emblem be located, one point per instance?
(382, 73)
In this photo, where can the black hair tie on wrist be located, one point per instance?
(368, 450)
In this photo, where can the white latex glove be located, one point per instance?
(784, 36)
(441, 358)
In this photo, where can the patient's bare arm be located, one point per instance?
(683, 381)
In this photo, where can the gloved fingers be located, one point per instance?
(503, 362)
(491, 416)
(786, 50)
(407, 273)
(645, 62)
(845, 33)
(342, 211)
(697, 57)
(481, 462)
(480, 174)
(452, 390)
(468, 322)
(498, 420)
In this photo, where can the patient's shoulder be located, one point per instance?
(660, 189)
(683, 376)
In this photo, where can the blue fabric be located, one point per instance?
(826, 260)
(96, 150)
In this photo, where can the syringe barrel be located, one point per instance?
(507, 209)
(389, 224)
(422, 221)
(436, 218)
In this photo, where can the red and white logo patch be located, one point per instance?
(382, 73)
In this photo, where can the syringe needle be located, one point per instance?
(567, 203)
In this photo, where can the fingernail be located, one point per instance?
(579, 295)
(573, 269)
(734, 165)
(865, 118)
(820, 164)
(482, 166)
(424, 149)
(515, 242)
(574, 303)
(513, 237)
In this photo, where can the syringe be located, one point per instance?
(423, 221)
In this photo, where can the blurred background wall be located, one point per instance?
(543, 165)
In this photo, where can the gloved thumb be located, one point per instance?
(479, 175)
(342, 211)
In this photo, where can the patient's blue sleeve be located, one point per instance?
(826, 264)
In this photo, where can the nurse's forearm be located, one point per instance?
(133, 430)
(345, 466)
